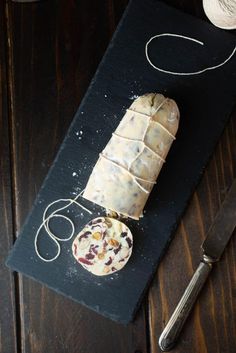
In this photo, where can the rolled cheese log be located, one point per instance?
(127, 168)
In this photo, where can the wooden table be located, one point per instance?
(49, 53)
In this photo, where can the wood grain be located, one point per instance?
(211, 327)
(56, 48)
(8, 337)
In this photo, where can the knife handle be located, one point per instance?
(172, 330)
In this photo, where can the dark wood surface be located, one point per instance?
(49, 53)
(8, 291)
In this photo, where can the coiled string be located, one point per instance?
(182, 73)
(45, 224)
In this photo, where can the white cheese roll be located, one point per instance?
(128, 167)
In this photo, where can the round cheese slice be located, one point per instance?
(103, 246)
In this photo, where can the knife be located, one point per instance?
(213, 247)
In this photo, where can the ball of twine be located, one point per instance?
(222, 13)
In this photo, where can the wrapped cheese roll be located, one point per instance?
(128, 167)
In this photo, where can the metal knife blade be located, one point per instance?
(222, 227)
(213, 247)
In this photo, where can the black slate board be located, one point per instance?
(205, 103)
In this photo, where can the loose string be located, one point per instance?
(55, 214)
(183, 73)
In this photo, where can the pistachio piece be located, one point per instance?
(101, 255)
(113, 242)
(108, 222)
(97, 235)
(111, 214)
(106, 269)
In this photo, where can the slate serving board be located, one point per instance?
(205, 102)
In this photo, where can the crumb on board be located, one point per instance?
(72, 271)
(134, 96)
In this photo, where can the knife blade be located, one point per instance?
(222, 228)
(216, 240)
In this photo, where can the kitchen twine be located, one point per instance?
(148, 118)
(222, 13)
(54, 214)
(183, 73)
